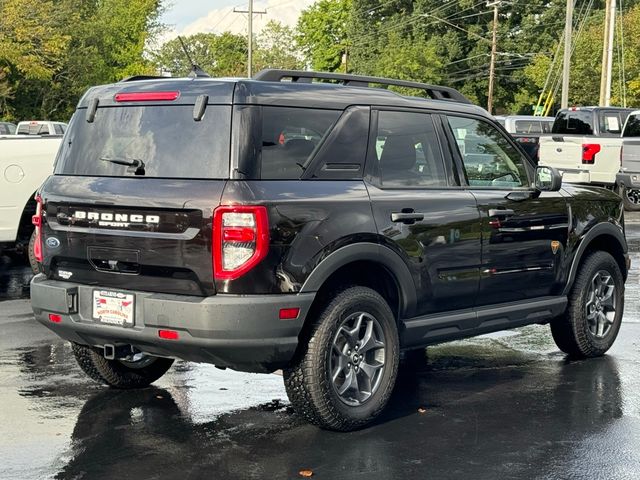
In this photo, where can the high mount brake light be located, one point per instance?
(589, 151)
(37, 222)
(146, 96)
(240, 240)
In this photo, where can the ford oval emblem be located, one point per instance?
(53, 242)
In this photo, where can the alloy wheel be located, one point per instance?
(357, 358)
(601, 304)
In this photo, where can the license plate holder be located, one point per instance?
(112, 307)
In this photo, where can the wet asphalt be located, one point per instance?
(507, 405)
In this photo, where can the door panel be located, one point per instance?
(524, 232)
(442, 250)
(520, 258)
(433, 227)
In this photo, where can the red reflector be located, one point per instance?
(238, 234)
(289, 313)
(168, 334)
(146, 96)
(55, 318)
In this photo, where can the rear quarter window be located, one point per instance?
(278, 143)
(165, 140)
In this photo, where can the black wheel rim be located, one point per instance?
(633, 196)
(601, 304)
(357, 358)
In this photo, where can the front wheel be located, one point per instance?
(139, 372)
(345, 374)
(592, 320)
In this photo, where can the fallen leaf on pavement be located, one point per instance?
(306, 473)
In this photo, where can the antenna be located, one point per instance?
(196, 71)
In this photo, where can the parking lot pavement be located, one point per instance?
(507, 405)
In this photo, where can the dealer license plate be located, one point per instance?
(113, 308)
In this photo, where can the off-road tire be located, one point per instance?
(307, 380)
(35, 265)
(570, 331)
(629, 206)
(116, 374)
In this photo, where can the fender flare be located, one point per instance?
(598, 230)
(371, 252)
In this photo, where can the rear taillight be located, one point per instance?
(240, 240)
(37, 222)
(589, 151)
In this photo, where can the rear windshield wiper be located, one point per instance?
(128, 162)
(133, 163)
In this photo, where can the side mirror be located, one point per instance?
(548, 179)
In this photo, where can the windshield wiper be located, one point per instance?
(136, 165)
(128, 162)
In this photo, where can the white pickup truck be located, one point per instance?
(584, 144)
(25, 162)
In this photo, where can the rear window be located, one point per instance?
(578, 122)
(33, 129)
(150, 141)
(528, 126)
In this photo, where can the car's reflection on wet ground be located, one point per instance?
(503, 406)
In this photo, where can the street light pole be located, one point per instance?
(494, 48)
(566, 67)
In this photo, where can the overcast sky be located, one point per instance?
(186, 17)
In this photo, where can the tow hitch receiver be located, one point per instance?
(116, 352)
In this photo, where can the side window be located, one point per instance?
(632, 128)
(407, 151)
(489, 159)
(58, 129)
(289, 137)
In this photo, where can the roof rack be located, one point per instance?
(435, 92)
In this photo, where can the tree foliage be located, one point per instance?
(51, 51)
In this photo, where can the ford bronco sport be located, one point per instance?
(314, 223)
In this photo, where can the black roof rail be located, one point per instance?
(140, 77)
(436, 92)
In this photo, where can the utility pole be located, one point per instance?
(611, 32)
(494, 48)
(566, 67)
(251, 13)
(605, 55)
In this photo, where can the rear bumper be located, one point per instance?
(629, 180)
(242, 332)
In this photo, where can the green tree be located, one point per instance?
(219, 55)
(277, 48)
(323, 33)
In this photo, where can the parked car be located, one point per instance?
(38, 127)
(398, 223)
(526, 130)
(25, 163)
(7, 128)
(585, 144)
(628, 180)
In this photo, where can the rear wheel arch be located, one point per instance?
(369, 265)
(604, 237)
(25, 227)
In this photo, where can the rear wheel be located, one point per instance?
(138, 372)
(591, 323)
(630, 198)
(346, 373)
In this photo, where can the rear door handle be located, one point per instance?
(498, 212)
(408, 218)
